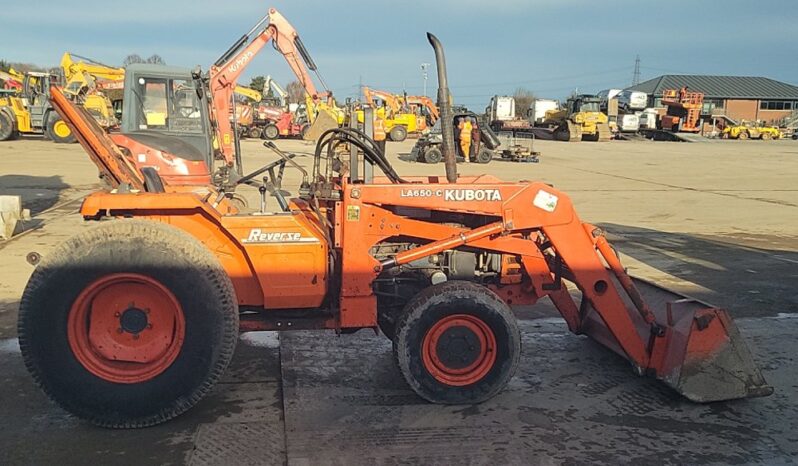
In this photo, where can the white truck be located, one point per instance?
(501, 108)
(537, 111)
(501, 115)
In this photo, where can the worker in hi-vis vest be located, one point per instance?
(465, 128)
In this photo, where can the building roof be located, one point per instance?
(721, 87)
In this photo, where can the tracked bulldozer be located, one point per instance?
(580, 119)
(132, 322)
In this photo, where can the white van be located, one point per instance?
(648, 118)
(628, 123)
(632, 100)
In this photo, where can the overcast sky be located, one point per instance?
(493, 46)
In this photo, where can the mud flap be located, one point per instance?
(701, 354)
(322, 123)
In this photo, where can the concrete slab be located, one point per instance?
(571, 402)
(239, 423)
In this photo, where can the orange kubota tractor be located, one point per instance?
(132, 322)
(176, 123)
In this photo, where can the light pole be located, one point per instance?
(424, 67)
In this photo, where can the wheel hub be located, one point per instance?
(126, 328)
(459, 350)
(458, 347)
(133, 320)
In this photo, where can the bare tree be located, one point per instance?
(296, 92)
(156, 59)
(523, 101)
(132, 58)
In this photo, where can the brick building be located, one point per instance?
(738, 97)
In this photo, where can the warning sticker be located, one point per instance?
(352, 213)
(546, 201)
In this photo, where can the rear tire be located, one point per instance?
(766, 136)
(457, 343)
(271, 132)
(433, 155)
(743, 135)
(58, 131)
(8, 125)
(255, 132)
(68, 315)
(398, 133)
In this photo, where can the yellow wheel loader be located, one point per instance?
(747, 130)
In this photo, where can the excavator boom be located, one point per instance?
(224, 73)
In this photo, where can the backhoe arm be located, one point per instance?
(228, 69)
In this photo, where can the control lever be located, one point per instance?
(262, 191)
(289, 159)
(274, 191)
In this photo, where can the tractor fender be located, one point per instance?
(189, 212)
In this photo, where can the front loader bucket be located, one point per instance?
(322, 123)
(701, 354)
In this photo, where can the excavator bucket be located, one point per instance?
(701, 353)
(322, 123)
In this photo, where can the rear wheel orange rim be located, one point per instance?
(126, 328)
(459, 350)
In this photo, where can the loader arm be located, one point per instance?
(114, 167)
(225, 73)
(693, 347)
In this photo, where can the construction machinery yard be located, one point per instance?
(301, 280)
(720, 232)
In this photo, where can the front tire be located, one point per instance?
(457, 343)
(254, 132)
(271, 132)
(398, 133)
(128, 324)
(433, 155)
(58, 131)
(484, 155)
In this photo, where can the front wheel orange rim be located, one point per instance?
(459, 350)
(126, 328)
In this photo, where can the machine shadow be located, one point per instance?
(38, 193)
(749, 281)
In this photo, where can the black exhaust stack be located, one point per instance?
(444, 105)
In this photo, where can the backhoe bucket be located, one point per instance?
(701, 354)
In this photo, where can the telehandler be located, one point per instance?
(132, 322)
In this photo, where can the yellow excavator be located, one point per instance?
(397, 119)
(29, 110)
(580, 119)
